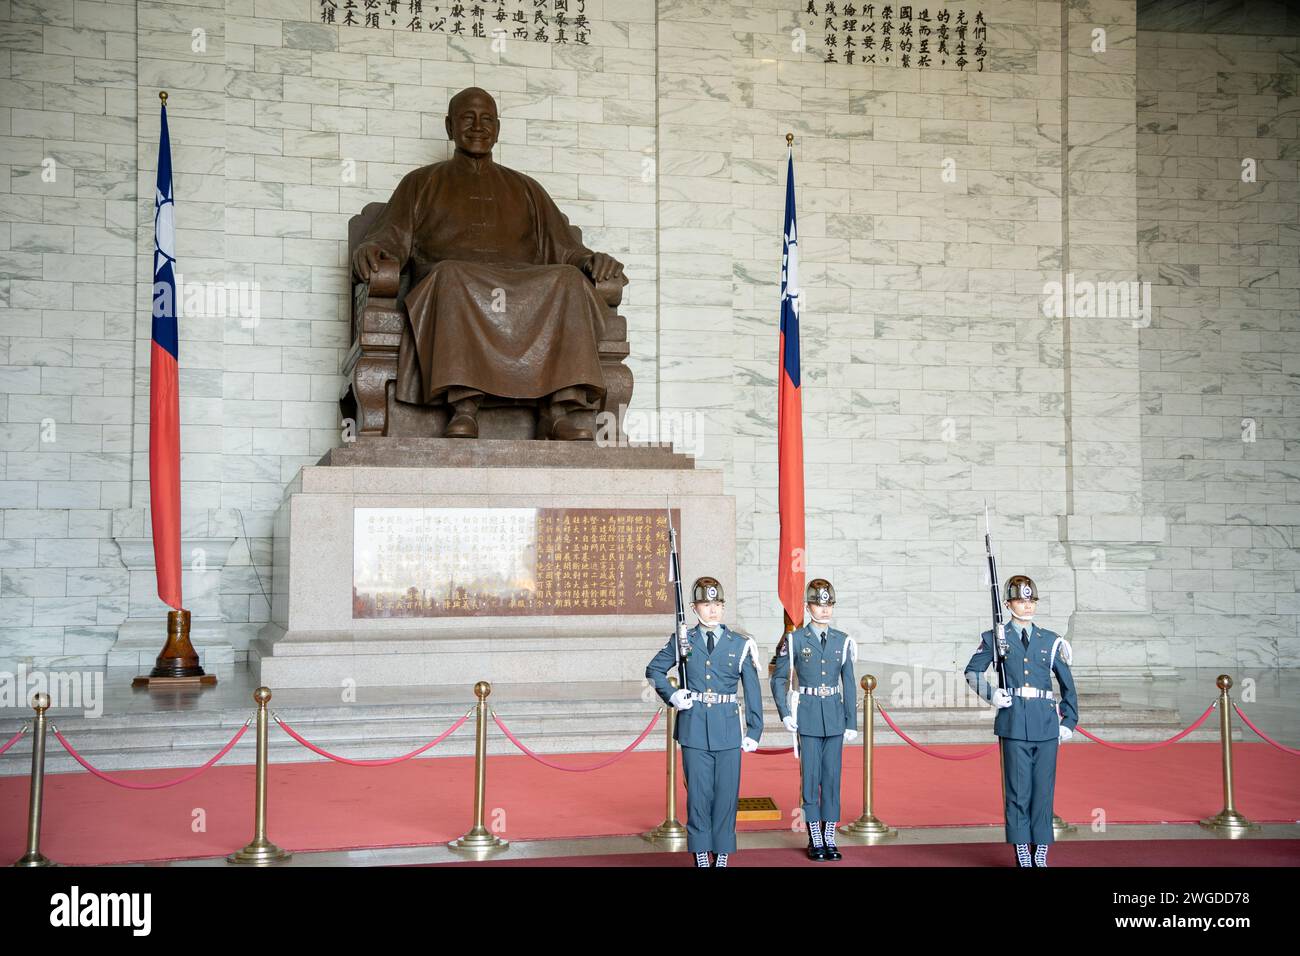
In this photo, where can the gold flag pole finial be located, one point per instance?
(789, 139)
(162, 95)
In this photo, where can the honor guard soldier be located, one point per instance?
(820, 707)
(712, 729)
(1028, 721)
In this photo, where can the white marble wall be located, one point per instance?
(68, 315)
(932, 380)
(1221, 359)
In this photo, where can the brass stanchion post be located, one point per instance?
(33, 856)
(479, 840)
(670, 834)
(261, 851)
(1227, 821)
(867, 827)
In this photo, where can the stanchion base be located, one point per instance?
(259, 853)
(670, 835)
(34, 859)
(1229, 823)
(1060, 828)
(479, 842)
(869, 829)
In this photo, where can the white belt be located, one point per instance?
(822, 691)
(709, 697)
(1033, 692)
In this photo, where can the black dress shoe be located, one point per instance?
(816, 852)
(831, 853)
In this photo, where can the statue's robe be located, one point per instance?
(497, 303)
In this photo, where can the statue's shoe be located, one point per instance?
(565, 430)
(461, 426)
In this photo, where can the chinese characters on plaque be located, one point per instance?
(541, 21)
(898, 35)
(481, 562)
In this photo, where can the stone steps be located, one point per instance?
(375, 731)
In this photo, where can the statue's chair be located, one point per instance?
(378, 318)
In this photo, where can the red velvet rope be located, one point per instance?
(151, 786)
(926, 750)
(373, 763)
(1161, 743)
(555, 766)
(1263, 736)
(1105, 743)
(14, 739)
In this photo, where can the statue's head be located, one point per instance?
(472, 121)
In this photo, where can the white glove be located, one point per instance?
(680, 700)
(1064, 733)
(1000, 698)
(850, 735)
(790, 724)
(749, 745)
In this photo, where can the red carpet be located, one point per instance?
(1120, 853)
(318, 806)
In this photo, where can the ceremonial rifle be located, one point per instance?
(999, 618)
(675, 576)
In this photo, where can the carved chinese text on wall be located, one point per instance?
(896, 35)
(482, 562)
(538, 21)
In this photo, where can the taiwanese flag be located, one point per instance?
(789, 422)
(164, 388)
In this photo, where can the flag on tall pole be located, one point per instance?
(164, 386)
(789, 418)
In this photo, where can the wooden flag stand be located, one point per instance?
(178, 664)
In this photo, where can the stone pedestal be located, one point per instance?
(313, 640)
(142, 635)
(1112, 629)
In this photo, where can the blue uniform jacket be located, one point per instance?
(713, 726)
(817, 716)
(1028, 718)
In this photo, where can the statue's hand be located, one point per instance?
(601, 267)
(365, 261)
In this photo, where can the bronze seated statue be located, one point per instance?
(477, 309)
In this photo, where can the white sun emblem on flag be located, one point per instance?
(790, 268)
(164, 230)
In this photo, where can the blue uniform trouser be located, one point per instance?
(1029, 774)
(712, 791)
(819, 763)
